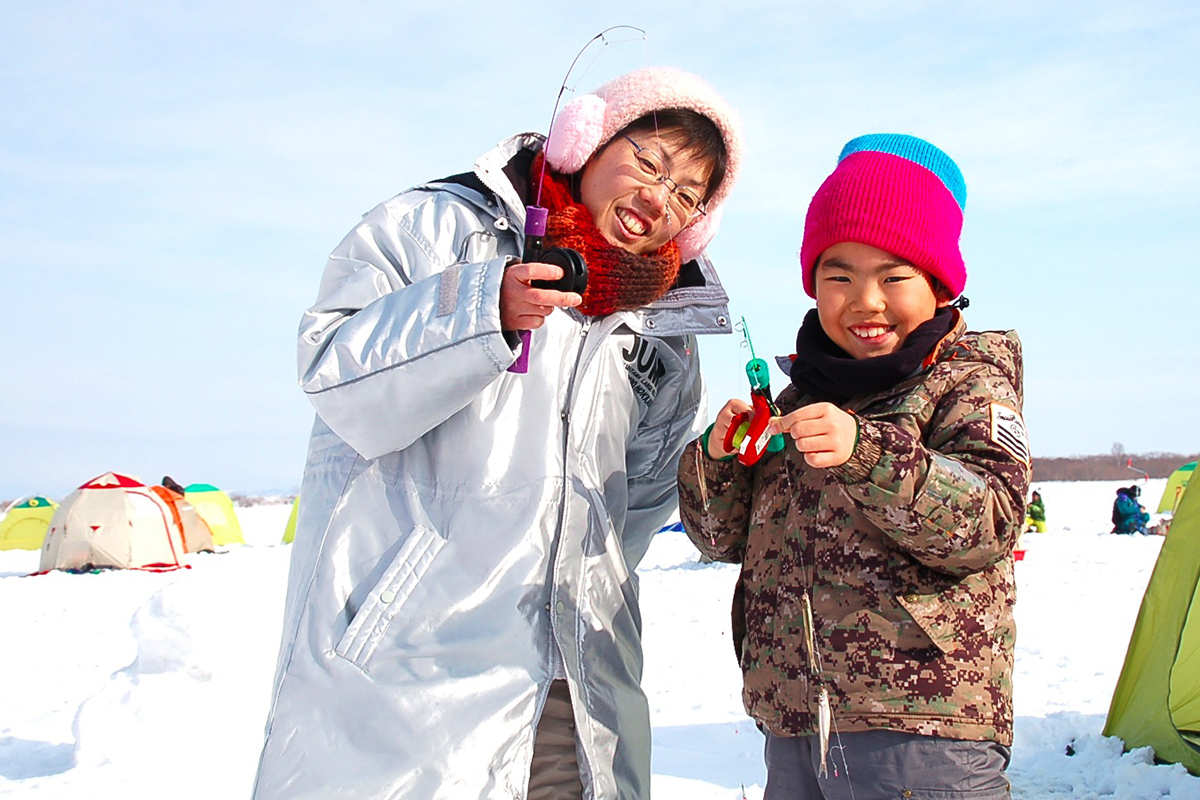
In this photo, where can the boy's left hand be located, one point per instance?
(822, 431)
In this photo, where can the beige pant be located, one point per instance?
(555, 771)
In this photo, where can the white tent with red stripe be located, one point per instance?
(113, 521)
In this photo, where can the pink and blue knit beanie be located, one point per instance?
(589, 121)
(895, 192)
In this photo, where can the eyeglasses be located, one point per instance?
(684, 201)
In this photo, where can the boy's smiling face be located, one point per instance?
(869, 300)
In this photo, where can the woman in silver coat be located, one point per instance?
(490, 459)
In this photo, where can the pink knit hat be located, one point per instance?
(586, 123)
(895, 192)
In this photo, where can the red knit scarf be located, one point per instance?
(618, 280)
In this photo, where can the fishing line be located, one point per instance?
(566, 86)
(756, 370)
(826, 717)
(535, 214)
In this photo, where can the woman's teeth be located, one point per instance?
(631, 222)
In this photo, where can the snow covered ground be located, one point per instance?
(143, 685)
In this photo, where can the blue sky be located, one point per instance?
(173, 175)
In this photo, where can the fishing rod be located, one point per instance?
(571, 262)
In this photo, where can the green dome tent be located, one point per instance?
(1175, 486)
(24, 526)
(289, 530)
(1157, 699)
(215, 508)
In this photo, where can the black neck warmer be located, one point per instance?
(826, 372)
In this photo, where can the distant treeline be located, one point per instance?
(1110, 467)
(1113, 466)
(247, 500)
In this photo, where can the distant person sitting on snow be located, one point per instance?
(873, 616)
(1128, 515)
(1035, 514)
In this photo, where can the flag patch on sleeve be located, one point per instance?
(1008, 431)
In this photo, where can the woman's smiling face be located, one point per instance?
(628, 211)
(869, 300)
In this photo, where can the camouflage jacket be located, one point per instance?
(903, 554)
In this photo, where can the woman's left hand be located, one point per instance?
(822, 431)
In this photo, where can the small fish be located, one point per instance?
(824, 715)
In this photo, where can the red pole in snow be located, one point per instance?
(1145, 475)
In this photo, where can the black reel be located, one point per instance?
(574, 267)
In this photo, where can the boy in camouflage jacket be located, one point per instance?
(876, 593)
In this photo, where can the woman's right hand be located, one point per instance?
(716, 438)
(524, 307)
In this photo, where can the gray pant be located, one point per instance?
(886, 765)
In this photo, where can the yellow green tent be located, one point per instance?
(1175, 486)
(289, 530)
(1157, 699)
(215, 508)
(24, 526)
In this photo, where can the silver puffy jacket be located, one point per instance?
(457, 519)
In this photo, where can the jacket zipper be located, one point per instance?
(565, 417)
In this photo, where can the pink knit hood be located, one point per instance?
(589, 121)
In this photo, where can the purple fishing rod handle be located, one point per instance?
(535, 220)
(521, 365)
(535, 225)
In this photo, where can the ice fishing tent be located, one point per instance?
(197, 537)
(1175, 486)
(112, 521)
(289, 530)
(24, 526)
(1157, 699)
(217, 510)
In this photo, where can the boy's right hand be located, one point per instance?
(716, 438)
(524, 307)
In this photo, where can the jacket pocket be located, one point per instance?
(958, 614)
(932, 615)
(385, 601)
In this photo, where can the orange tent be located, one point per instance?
(197, 536)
